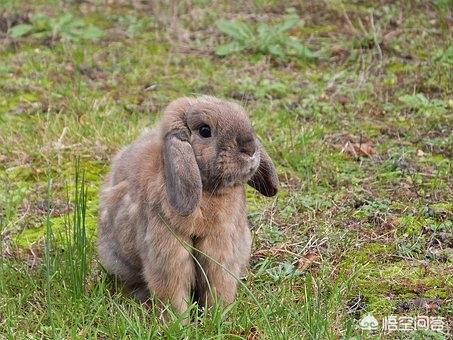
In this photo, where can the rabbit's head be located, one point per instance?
(209, 145)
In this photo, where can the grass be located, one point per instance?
(361, 136)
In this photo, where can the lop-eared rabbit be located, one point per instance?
(173, 215)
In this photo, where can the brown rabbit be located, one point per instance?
(173, 206)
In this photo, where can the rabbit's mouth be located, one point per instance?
(252, 166)
(228, 173)
(246, 171)
(255, 161)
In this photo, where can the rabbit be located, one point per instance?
(173, 221)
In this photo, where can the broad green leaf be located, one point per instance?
(265, 35)
(416, 101)
(301, 50)
(92, 32)
(20, 30)
(233, 47)
(288, 23)
(263, 30)
(445, 55)
(70, 35)
(236, 30)
(76, 24)
(65, 19)
(41, 22)
(60, 24)
(278, 51)
(41, 35)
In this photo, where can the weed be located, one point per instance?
(49, 266)
(133, 25)
(272, 40)
(427, 107)
(65, 27)
(445, 55)
(75, 241)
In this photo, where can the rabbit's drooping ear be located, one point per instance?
(182, 176)
(265, 179)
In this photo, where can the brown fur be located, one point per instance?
(171, 190)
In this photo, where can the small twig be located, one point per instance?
(376, 42)
(346, 16)
(59, 144)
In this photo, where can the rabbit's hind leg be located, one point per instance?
(139, 291)
(119, 265)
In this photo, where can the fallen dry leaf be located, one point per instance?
(343, 100)
(366, 149)
(358, 149)
(306, 261)
(253, 333)
(69, 69)
(339, 51)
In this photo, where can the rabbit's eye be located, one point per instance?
(205, 131)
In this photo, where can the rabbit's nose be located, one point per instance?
(248, 147)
